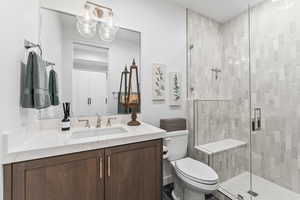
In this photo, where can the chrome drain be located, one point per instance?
(240, 197)
(252, 193)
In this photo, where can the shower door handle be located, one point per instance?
(256, 121)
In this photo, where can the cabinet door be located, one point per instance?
(133, 172)
(71, 177)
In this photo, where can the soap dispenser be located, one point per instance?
(65, 122)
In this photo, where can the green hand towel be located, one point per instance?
(53, 88)
(36, 93)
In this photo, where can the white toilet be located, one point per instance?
(193, 178)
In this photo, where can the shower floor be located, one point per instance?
(266, 190)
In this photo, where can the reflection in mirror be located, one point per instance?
(89, 69)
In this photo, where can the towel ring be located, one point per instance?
(29, 45)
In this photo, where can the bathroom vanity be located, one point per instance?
(95, 167)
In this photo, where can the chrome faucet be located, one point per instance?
(98, 121)
(109, 121)
(87, 122)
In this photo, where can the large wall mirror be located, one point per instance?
(89, 69)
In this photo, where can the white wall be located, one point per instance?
(19, 20)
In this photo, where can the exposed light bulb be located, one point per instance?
(86, 30)
(107, 31)
(86, 24)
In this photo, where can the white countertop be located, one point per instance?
(29, 145)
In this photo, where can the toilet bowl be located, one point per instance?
(192, 179)
(196, 175)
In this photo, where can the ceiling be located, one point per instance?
(219, 10)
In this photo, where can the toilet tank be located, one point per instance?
(176, 142)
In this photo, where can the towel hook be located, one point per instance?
(29, 45)
(49, 64)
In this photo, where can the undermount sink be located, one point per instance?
(98, 132)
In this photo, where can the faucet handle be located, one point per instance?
(98, 121)
(109, 120)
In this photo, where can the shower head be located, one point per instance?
(191, 46)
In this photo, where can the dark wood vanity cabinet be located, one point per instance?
(134, 172)
(71, 177)
(128, 172)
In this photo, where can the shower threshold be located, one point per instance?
(238, 187)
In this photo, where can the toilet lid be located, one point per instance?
(197, 171)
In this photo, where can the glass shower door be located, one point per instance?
(275, 74)
(236, 50)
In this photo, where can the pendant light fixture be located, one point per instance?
(93, 15)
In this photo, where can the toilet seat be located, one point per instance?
(196, 171)
(196, 174)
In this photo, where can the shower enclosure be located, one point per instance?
(244, 96)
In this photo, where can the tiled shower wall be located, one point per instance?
(222, 106)
(275, 48)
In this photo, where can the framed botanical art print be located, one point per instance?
(158, 82)
(175, 88)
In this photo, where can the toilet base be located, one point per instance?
(189, 195)
(181, 192)
(192, 195)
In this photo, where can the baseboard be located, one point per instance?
(168, 180)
